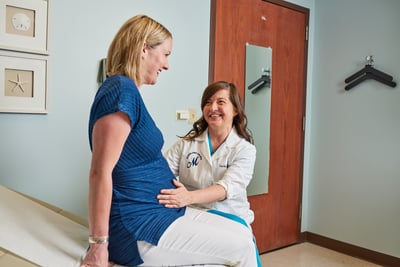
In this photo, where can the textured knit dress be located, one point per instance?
(139, 175)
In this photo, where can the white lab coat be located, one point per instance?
(231, 166)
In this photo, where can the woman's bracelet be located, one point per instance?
(98, 239)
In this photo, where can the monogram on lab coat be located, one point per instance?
(231, 166)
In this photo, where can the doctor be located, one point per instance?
(215, 159)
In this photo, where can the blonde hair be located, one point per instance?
(124, 53)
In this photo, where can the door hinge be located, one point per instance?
(306, 33)
(300, 211)
(304, 123)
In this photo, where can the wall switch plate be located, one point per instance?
(182, 115)
(192, 115)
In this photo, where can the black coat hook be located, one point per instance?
(369, 72)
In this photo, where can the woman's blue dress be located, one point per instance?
(139, 175)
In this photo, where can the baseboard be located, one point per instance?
(351, 250)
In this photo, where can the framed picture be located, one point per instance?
(24, 25)
(23, 83)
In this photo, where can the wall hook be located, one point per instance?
(369, 72)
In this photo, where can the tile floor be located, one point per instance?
(310, 255)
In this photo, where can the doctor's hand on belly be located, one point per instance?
(175, 198)
(181, 197)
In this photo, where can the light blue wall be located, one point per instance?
(354, 162)
(351, 162)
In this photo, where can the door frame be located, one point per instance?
(236, 74)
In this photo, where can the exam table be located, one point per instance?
(34, 233)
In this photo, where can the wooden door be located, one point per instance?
(282, 26)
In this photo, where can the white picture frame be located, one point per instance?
(23, 83)
(24, 25)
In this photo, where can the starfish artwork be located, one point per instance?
(18, 83)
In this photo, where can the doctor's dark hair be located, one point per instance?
(125, 51)
(239, 121)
